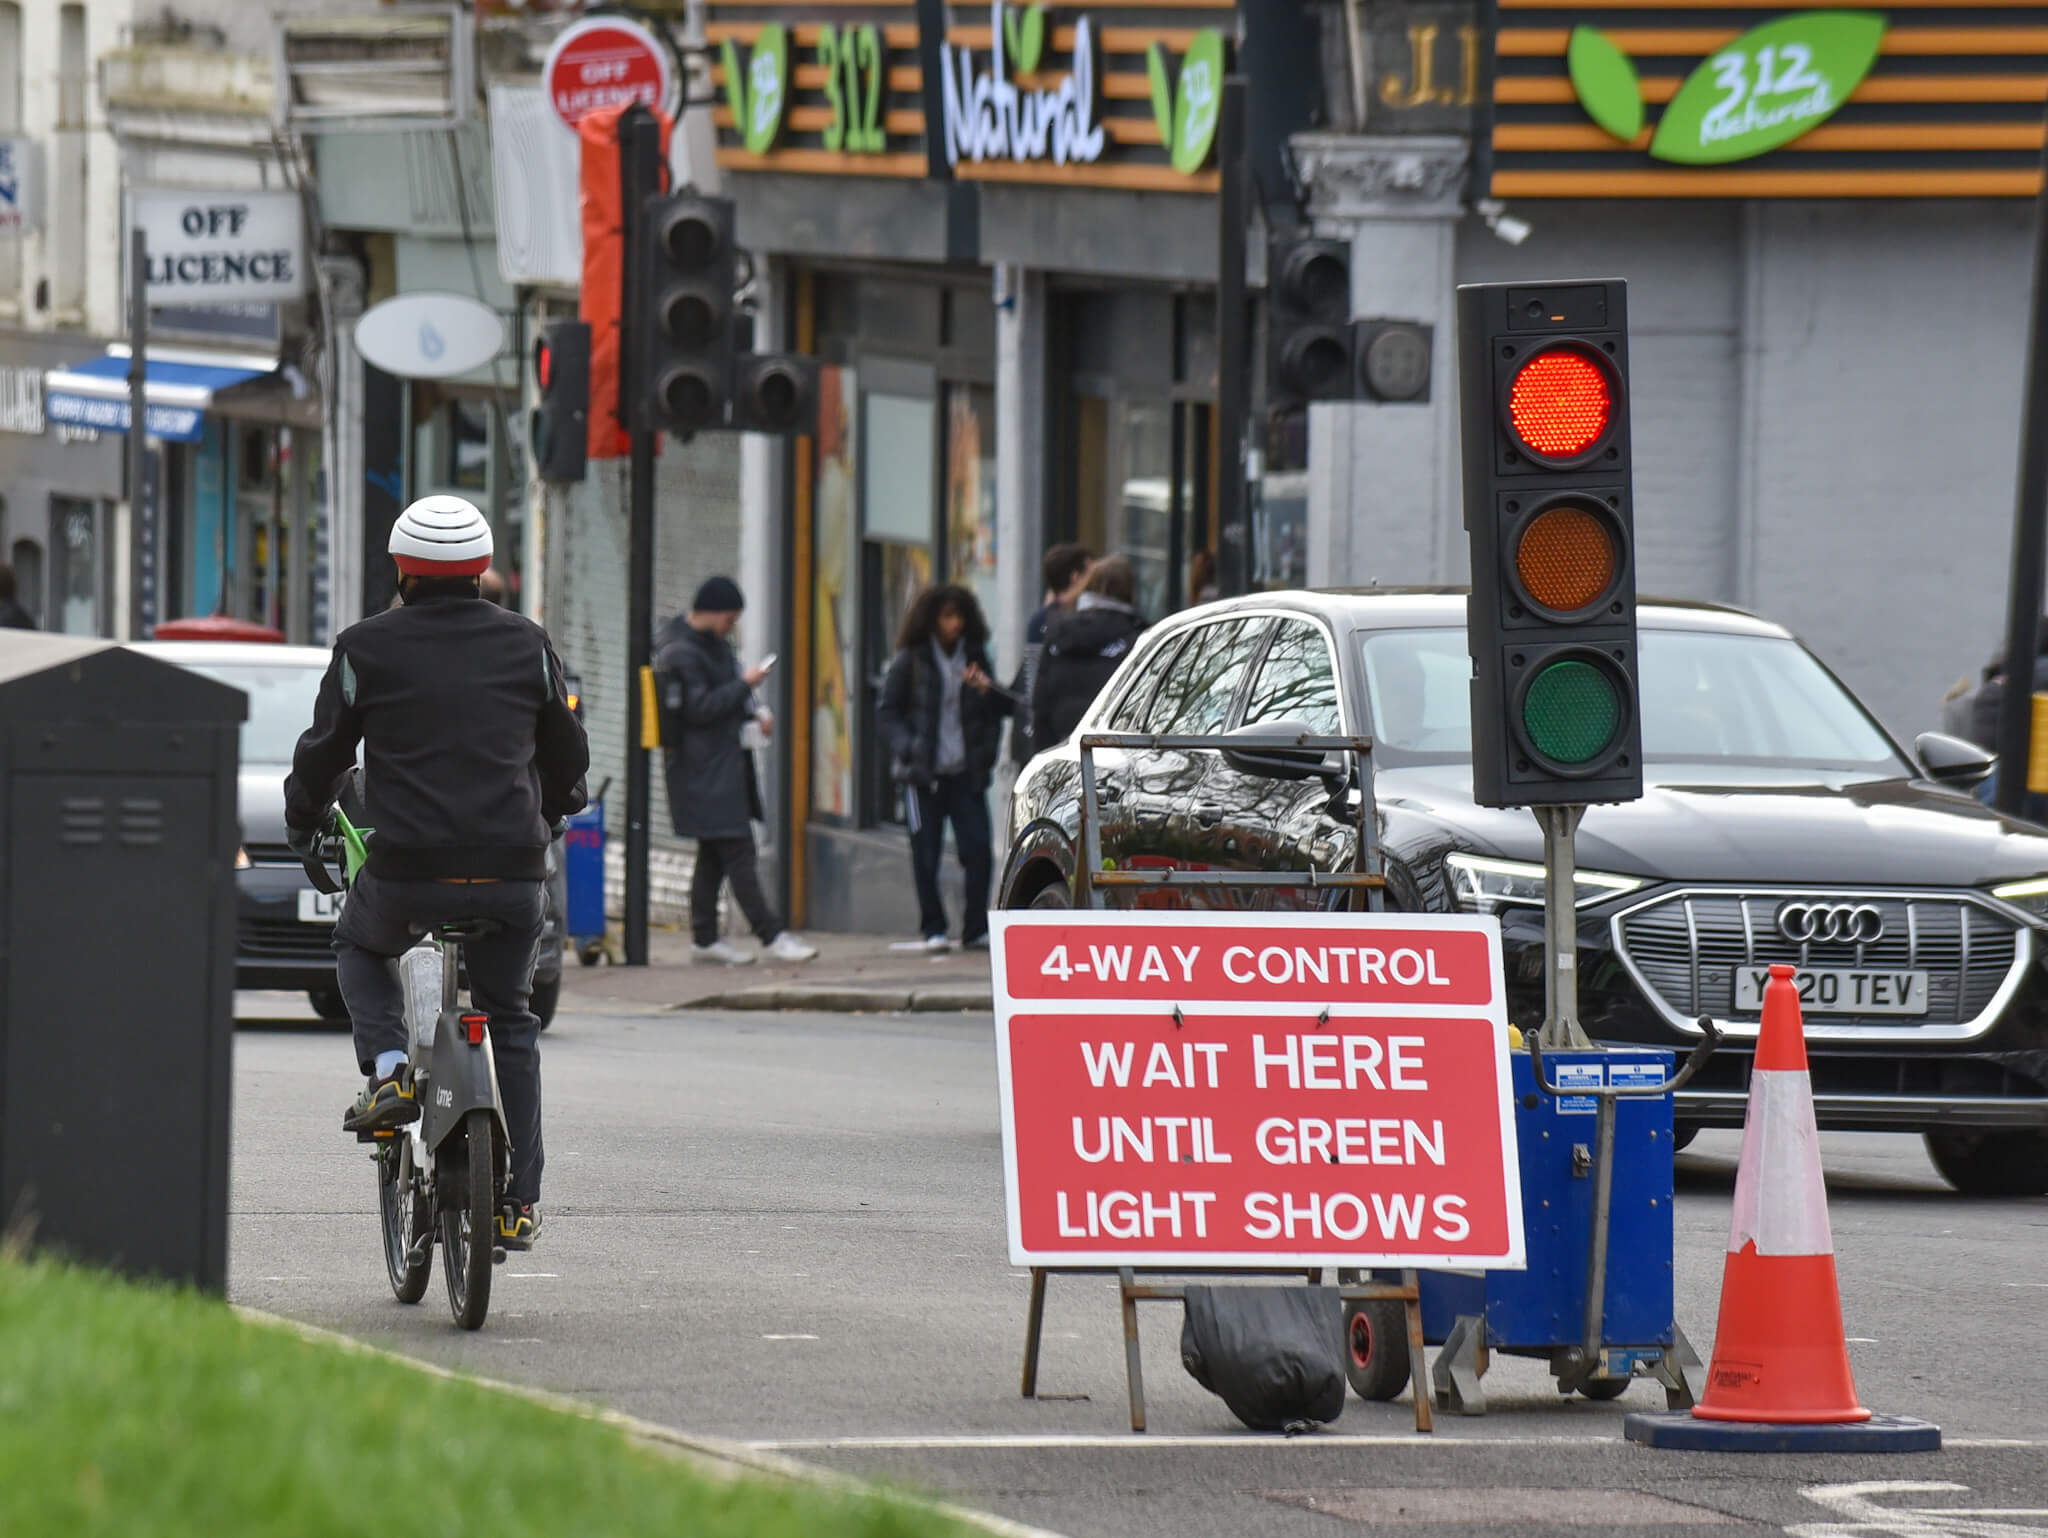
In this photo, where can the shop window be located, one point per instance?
(1140, 491)
(835, 548)
(971, 491)
(75, 543)
(899, 458)
(26, 557)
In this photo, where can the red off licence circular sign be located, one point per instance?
(606, 62)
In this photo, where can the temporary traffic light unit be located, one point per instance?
(561, 422)
(1543, 382)
(1308, 321)
(691, 269)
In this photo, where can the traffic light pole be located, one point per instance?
(640, 173)
(2029, 537)
(1233, 532)
(1561, 1026)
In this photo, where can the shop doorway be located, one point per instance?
(1144, 485)
(76, 599)
(899, 479)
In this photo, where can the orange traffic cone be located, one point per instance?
(1779, 1380)
(1780, 1355)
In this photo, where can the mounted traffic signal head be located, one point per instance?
(561, 421)
(1549, 511)
(691, 266)
(1308, 340)
(775, 393)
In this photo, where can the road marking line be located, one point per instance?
(1026, 1441)
(538, 1276)
(789, 1337)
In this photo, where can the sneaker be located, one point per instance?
(937, 943)
(791, 946)
(383, 1104)
(720, 953)
(518, 1227)
(978, 943)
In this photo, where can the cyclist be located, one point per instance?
(470, 756)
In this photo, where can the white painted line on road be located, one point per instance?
(1028, 1441)
(536, 1276)
(519, 1340)
(789, 1337)
(1862, 1340)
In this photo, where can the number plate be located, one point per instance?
(1839, 990)
(319, 907)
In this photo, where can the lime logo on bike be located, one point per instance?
(1766, 89)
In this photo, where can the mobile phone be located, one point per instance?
(767, 663)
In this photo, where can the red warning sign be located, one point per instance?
(1255, 1090)
(606, 61)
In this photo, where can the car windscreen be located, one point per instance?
(1708, 698)
(280, 706)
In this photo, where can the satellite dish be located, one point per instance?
(430, 336)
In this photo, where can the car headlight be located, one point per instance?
(242, 860)
(2030, 896)
(1484, 885)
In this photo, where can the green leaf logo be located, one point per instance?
(1024, 38)
(1606, 83)
(767, 94)
(1198, 103)
(1767, 87)
(735, 84)
(1162, 91)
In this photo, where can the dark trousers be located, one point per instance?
(964, 803)
(729, 859)
(380, 922)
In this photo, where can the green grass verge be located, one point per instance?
(140, 1410)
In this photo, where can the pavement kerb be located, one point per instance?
(714, 1456)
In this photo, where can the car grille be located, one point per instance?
(285, 939)
(1686, 949)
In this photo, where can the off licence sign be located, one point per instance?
(605, 62)
(1271, 1090)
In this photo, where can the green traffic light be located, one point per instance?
(1571, 712)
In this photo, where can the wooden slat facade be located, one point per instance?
(1952, 108)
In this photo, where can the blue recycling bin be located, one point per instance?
(583, 873)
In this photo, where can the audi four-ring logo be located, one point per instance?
(1830, 922)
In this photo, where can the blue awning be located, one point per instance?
(177, 388)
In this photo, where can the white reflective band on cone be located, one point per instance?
(1780, 1200)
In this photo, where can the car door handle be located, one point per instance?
(1208, 815)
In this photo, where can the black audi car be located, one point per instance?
(1780, 823)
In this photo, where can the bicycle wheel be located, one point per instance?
(408, 1223)
(469, 1231)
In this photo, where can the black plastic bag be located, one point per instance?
(1275, 1355)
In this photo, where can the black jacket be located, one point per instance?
(712, 790)
(1082, 648)
(1989, 700)
(470, 750)
(909, 716)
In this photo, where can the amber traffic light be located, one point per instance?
(1549, 512)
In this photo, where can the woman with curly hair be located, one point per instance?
(943, 716)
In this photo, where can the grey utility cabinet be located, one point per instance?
(117, 901)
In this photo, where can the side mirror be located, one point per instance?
(1284, 763)
(1953, 761)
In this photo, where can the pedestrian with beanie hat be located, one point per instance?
(713, 794)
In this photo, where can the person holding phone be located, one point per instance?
(713, 794)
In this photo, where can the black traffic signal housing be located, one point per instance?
(1308, 320)
(775, 393)
(560, 425)
(1544, 405)
(691, 265)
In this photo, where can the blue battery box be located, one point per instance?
(583, 874)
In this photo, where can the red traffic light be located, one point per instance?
(540, 364)
(1560, 404)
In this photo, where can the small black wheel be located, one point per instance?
(1604, 1388)
(590, 954)
(1682, 1135)
(1376, 1348)
(328, 1004)
(1054, 896)
(544, 999)
(1992, 1163)
(408, 1221)
(469, 1229)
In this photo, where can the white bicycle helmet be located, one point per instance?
(441, 536)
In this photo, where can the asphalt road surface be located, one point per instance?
(787, 1230)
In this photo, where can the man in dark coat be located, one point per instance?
(713, 795)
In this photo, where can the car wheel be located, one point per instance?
(328, 1004)
(1682, 1136)
(1992, 1163)
(543, 999)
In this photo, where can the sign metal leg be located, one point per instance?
(1034, 1326)
(1133, 1368)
